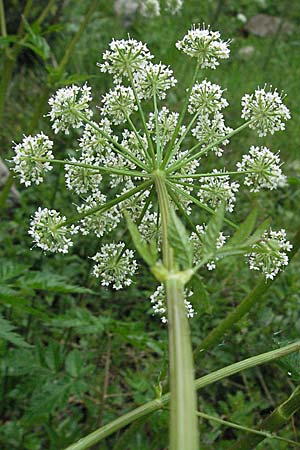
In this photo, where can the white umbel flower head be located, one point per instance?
(167, 122)
(198, 245)
(266, 110)
(155, 79)
(29, 169)
(119, 104)
(270, 254)
(150, 8)
(209, 130)
(99, 222)
(265, 169)
(158, 302)
(49, 232)
(174, 6)
(114, 265)
(92, 142)
(218, 189)
(67, 104)
(205, 45)
(83, 180)
(206, 98)
(124, 58)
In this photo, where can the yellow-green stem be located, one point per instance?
(183, 420)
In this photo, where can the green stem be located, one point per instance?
(254, 298)
(117, 148)
(273, 422)
(180, 120)
(10, 59)
(2, 20)
(143, 153)
(210, 174)
(198, 203)
(261, 434)
(129, 173)
(183, 420)
(108, 205)
(158, 143)
(141, 112)
(186, 159)
(159, 403)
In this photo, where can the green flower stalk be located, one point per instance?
(149, 172)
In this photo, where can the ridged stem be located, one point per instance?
(154, 405)
(183, 420)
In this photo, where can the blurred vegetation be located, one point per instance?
(74, 355)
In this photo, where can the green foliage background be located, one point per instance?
(74, 355)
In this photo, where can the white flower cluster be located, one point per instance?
(67, 105)
(83, 180)
(27, 164)
(49, 232)
(264, 169)
(154, 80)
(158, 303)
(266, 111)
(206, 98)
(115, 265)
(127, 161)
(205, 45)
(99, 222)
(152, 8)
(218, 189)
(210, 130)
(167, 122)
(119, 104)
(125, 57)
(198, 245)
(270, 254)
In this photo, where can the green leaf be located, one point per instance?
(8, 334)
(245, 229)
(212, 232)
(11, 269)
(256, 236)
(180, 242)
(146, 251)
(51, 282)
(36, 42)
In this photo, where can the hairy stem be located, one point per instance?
(183, 420)
(159, 403)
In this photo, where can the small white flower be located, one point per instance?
(119, 104)
(29, 169)
(115, 265)
(167, 122)
(209, 130)
(174, 6)
(198, 245)
(266, 110)
(126, 56)
(92, 142)
(49, 232)
(83, 180)
(99, 222)
(155, 79)
(158, 301)
(149, 8)
(217, 189)
(205, 45)
(206, 98)
(270, 254)
(265, 168)
(67, 104)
